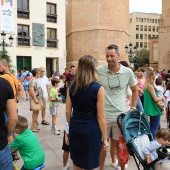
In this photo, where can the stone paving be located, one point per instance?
(52, 144)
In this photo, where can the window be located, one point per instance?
(23, 35)
(141, 36)
(152, 20)
(141, 28)
(24, 61)
(145, 44)
(141, 19)
(145, 37)
(137, 36)
(136, 19)
(51, 13)
(156, 20)
(137, 44)
(141, 44)
(137, 27)
(149, 36)
(23, 9)
(145, 20)
(145, 28)
(153, 28)
(157, 29)
(149, 29)
(52, 38)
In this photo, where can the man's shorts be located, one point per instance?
(65, 147)
(54, 110)
(113, 128)
(26, 88)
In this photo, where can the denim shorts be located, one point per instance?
(6, 162)
(26, 88)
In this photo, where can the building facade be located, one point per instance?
(39, 35)
(143, 26)
(164, 37)
(94, 24)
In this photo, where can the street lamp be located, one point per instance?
(131, 51)
(3, 43)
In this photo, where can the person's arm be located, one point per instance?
(20, 91)
(101, 115)
(134, 96)
(47, 87)
(153, 94)
(31, 91)
(68, 107)
(12, 115)
(66, 139)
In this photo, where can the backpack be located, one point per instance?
(28, 77)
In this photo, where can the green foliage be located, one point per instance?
(141, 59)
(4, 54)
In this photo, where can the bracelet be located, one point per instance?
(133, 108)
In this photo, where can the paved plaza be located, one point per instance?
(52, 144)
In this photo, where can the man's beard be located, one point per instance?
(2, 72)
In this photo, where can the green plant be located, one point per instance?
(4, 54)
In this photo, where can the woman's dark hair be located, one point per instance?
(159, 81)
(124, 63)
(34, 72)
(54, 81)
(163, 133)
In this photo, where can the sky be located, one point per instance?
(148, 6)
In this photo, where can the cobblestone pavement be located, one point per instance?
(52, 144)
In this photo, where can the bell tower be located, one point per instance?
(92, 25)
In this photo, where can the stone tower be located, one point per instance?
(91, 25)
(164, 37)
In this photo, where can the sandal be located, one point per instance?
(35, 130)
(44, 122)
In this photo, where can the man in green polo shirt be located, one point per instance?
(115, 78)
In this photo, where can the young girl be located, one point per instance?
(53, 98)
(162, 139)
(167, 97)
(150, 102)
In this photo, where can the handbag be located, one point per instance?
(36, 107)
(123, 154)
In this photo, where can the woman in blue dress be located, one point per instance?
(87, 124)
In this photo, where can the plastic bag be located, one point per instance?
(123, 154)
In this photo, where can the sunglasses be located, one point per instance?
(113, 82)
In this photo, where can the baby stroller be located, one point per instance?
(63, 92)
(135, 128)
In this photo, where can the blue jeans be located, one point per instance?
(154, 124)
(6, 162)
(139, 105)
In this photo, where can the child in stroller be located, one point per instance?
(162, 137)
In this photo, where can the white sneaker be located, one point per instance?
(57, 129)
(118, 168)
(114, 165)
(126, 166)
(56, 132)
(66, 167)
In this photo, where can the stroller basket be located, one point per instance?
(135, 128)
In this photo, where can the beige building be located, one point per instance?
(94, 24)
(143, 26)
(164, 37)
(39, 35)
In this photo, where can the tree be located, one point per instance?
(4, 54)
(141, 59)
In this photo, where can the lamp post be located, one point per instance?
(4, 44)
(131, 51)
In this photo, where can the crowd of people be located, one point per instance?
(94, 96)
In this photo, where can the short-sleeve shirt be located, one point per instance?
(29, 148)
(53, 94)
(167, 95)
(26, 83)
(115, 86)
(37, 88)
(6, 93)
(70, 78)
(43, 81)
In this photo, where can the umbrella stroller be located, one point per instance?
(136, 131)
